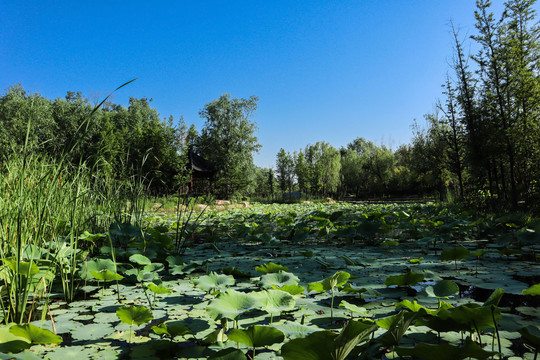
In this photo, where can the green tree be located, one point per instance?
(285, 170)
(228, 141)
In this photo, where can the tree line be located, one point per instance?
(481, 144)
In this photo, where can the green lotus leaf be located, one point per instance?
(413, 306)
(12, 343)
(446, 351)
(533, 290)
(276, 301)
(280, 278)
(472, 316)
(352, 334)
(134, 315)
(306, 253)
(238, 274)
(315, 346)
(291, 289)
(35, 335)
(295, 330)
(324, 345)
(228, 354)
(397, 325)
(95, 265)
(106, 275)
(140, 259)
(531, 336)
(92, 331)
(351, 289)
(408, 279)
(214, 281)
(172, 328)
(494, 298)
(340, 278)
(455, 253)
(231, 304)
(353, 308)
(443, 289)
(156, 289)
(24, 355)
(257, 336)
(25, 267)
(270, 268)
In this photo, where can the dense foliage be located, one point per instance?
(338, 281)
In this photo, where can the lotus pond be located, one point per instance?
(305, 281)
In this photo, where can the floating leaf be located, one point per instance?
(353, 308)
(407, 279)
(446, 351)
(270, 268)
(228, 354)
(443, 289)
(238, 274)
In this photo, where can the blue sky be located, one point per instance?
(323, 70)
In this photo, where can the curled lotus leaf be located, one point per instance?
(280, 278)
(231, 304)
(214, 281)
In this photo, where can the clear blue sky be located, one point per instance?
(324, 70)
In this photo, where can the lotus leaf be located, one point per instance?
(257, 336)
(533, 290)
(214, 281)
(443, 289)
(238, 274)
(270, 268)
(228, 354)
(106, 275)
(275, 302)
(323, 345)
(280, 278)
(340, 278)
(156, 289)
(446, 351)
(10, 342)
(231, 304)
(291, 289)
(407, 279)
(531, 335)
(353, 308)
(35, 334)
(139, 259)
(172, 328)
(295, 330)
(134, 315)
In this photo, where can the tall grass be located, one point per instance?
(45, 205)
